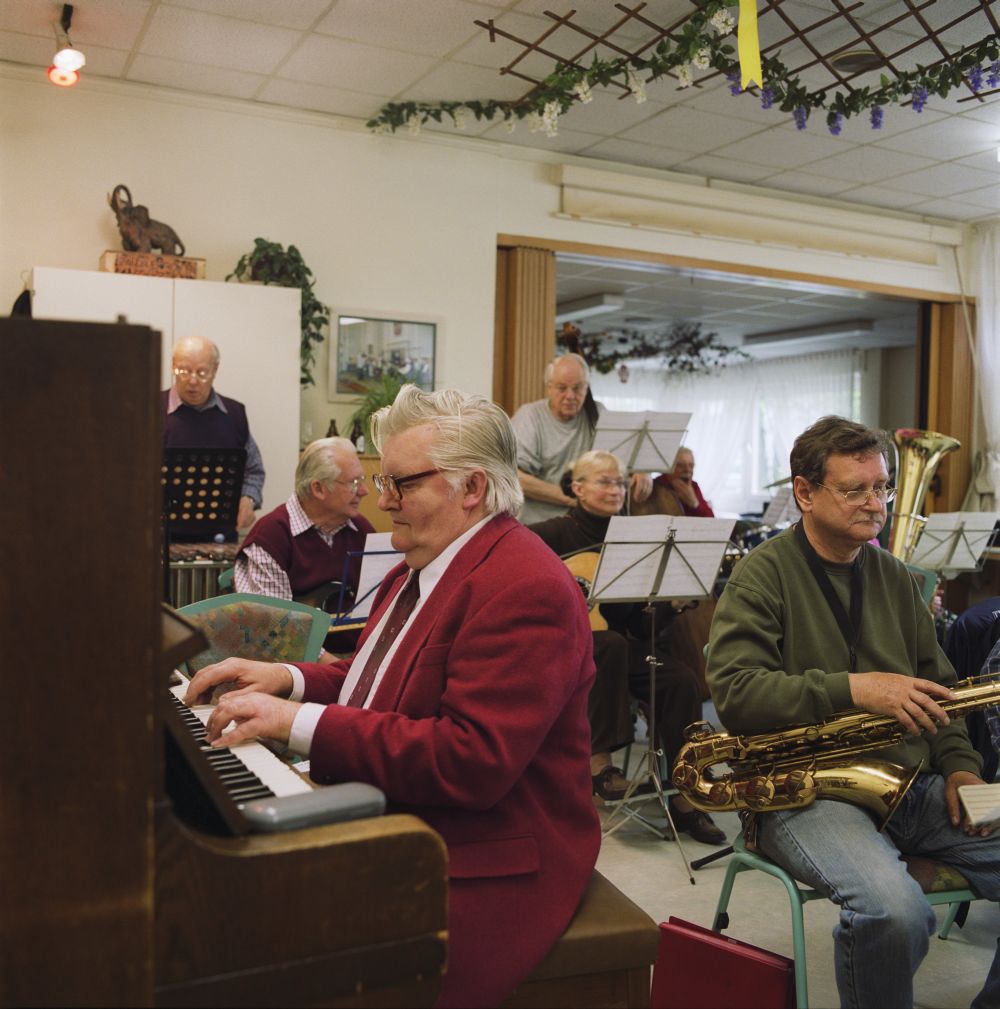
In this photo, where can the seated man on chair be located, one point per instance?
(297, 550)
(812, 623)
(466, 702)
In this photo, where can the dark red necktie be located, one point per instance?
(401, 610)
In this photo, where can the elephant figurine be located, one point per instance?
(139, 233)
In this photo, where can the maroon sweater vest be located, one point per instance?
(306, 559)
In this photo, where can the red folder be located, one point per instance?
(697, 968)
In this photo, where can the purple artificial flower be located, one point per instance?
(878, 114)
(976, 78)
(734, 82)
(800, 115)
(993, 78)
(766, 98)
(919, 99)
(835, 123)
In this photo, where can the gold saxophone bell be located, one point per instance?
(919, 454)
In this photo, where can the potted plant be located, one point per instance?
(271, 263)
(378, 396)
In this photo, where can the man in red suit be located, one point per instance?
(471, 712)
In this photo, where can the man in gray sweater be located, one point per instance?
(814, 622)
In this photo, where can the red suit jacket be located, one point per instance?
(479, 727)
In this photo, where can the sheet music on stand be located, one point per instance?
(652, 558)
(952, 542)
(643, 439)
(782, 508)
(629, 569)
(377, 560)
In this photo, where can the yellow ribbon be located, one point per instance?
(748, 44)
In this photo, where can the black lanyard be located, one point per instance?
(850, 627)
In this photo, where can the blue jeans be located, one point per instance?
(885, 923)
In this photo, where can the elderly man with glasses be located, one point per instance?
(196, 416)
(316, 537)
(817, 621)
(466, 702)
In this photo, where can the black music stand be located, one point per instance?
(377, 545)
(650, 559)
(202, 488)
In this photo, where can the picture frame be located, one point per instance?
(369, 345)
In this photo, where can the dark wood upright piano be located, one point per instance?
(109, 897)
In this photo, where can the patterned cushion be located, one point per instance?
(252, 631)
(934, 876)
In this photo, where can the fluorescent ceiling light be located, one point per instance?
(595, 304)
(847, 328)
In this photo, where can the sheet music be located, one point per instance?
(781, 509)
(632, 557)
(652, 437)
(981, 803)
(954, 540)
(374, 567)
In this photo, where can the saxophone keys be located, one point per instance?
(800, 785)
(758, 792)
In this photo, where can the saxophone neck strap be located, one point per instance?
(850, 626)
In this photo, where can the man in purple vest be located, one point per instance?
(302, 544)
(198, 417)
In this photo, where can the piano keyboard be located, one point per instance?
(248, 770)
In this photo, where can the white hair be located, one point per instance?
(320, 461)
(471, 432)
(551, 366)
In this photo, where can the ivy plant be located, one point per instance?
(271, 263)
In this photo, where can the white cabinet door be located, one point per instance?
(256, 328)
(87, 296)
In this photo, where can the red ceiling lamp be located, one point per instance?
(66, 64)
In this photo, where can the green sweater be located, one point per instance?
(777, 657)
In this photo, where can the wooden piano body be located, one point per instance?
(107, 897)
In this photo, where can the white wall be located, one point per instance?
(395, 225)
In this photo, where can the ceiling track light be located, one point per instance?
(67, 62)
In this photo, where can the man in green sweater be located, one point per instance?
(814, 622)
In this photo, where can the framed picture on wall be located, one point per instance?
(369, 348)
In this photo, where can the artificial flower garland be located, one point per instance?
(682, 347)
(701, 46)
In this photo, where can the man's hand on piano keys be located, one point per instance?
(255, 714)
(238, 676)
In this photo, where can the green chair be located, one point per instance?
(250, 626)
(941, 885)
(225, 582)
(926, 581)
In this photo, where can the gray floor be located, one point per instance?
(652, 873)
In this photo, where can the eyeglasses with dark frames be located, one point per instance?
(859, 498)
(201, 375)
(393, 485)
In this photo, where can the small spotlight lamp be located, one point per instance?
(67, 62)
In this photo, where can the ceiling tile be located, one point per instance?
(950, 210)
(783, 148)
(630, 152)
(690, 130)
(300, 15)
(883, 196)
(502, 50)
(714, 167)
(194, 37)
(299, 95)
(873, 164)
(352, 66)
(813, 185)
(953, 137)
(194, 77)
(454, 82)
(944, 180)
(433, 29)
(564, 142)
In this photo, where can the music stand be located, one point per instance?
(650, 559)
(642, 439)
(201, 495)
(952, 542)
(377, 560)
(782, 508)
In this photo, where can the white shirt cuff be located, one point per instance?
(298, 682)
(301, 736)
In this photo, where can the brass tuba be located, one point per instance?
(792, 767)
(919, 453)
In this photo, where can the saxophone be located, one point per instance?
(792, 767)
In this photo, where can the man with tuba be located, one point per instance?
(817, 621)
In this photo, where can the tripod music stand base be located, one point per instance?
(624, 812)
